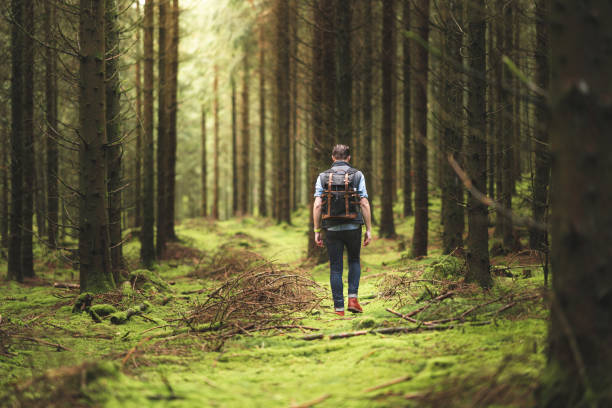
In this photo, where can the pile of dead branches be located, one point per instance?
(264, 297)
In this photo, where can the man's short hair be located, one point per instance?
(341, 152)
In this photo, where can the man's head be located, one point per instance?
(341, 153)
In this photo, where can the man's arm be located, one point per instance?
(316, 218)
(365, 211)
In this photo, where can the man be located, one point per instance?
(341, 207)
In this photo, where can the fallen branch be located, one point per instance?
(58, 346)
(388, 383)
(61, 285)
(313, 402)
(405, 317)
(347, 334)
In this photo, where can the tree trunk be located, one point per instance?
(204, 209)
(421, 202)
(147, 251)
(94, 241)
(282, 96)
(344, 88)
(406, 106)
(476, 149)
(507, 145)
(139, 129)
(4, 209)
(173, 64)
(452, 140)
(27, 257)
(235, 173)
(538, 239)
(113, 134)
(52, 121)
(17, 85)
(263, 208)
(246, 139)
(499, 128)
(579, 358)
(368, 157)
(320, 140)
(215, 206)
(163, 144)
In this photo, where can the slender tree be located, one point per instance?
(580, 334)
(476, 148)
(27, 256)
(173, 65)
(344, 88)
(246, 137)
(387, 227)
(163, 144)
(452, 101)
(215, 205)
(235, 174)
(263, 208)
(421, 201)
(139, 127)
(113, 133)
(282, 96)
(538, 237)
(507, 143)
(51, 125)
(4, 208)
(204, 210)
(406, 110)
(17, 115)
(94, 241)
(368, 78)
(147, 251)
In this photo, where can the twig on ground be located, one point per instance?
(388, 383)
(313, 402)
(46, 343)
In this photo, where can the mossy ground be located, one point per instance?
(493, 365)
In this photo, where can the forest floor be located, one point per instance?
(194, 345)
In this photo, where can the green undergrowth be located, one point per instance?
(50, 356)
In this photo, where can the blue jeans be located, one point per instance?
(335, 242)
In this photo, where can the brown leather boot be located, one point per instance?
(339, 312)
(353, 305)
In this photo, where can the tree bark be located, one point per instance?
(282, 96)
(236, 175)
(452, 138)
(476, 149)
(344, 88)
(406, 110)
(163, 144)
(579, 358)
(246, 138)
(368, 77)
(538, 239)
(94, 241)
(17, 134)
(113, 133)
(263, 207)
(147, 251)
(139, 129)
(173, 65)
(215, 205)
(27, 256)
(421, 202)
(507, 144)
(204, 208)
(51, 103)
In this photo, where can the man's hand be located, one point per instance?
(368, 238)
(318, 239)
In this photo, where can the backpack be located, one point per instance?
(340, 198)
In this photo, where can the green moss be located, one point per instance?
(103, 309)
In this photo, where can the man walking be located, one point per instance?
(341, 207)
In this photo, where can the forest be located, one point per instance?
(172, 234)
